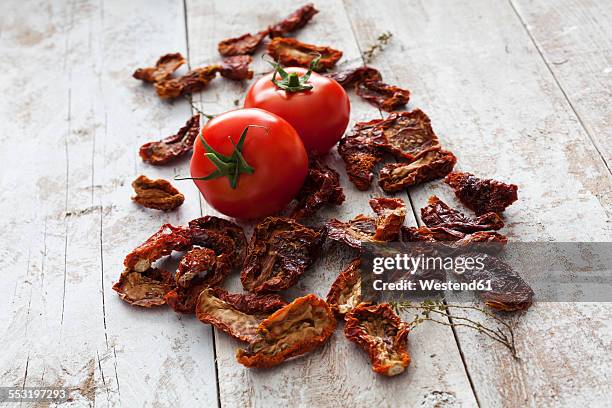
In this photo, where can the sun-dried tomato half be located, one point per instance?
(321, 187)
(296, 329)
(157, 194)
(294, 21)
(382, 334)
(193, 81)
(146, 289)
(236, 68)
(160, 244)
(245, 44)
(355, 75)
(164, 67)
(438, 214)
(360, 155)
(168, 149)
(224, 237)
(278, 254)
(352, 233)
(431, 165)
(345, 292)
(391, 213)
(238, 315)
(482, 195)
(384, 96)
(433, 234)
(293, 53)
(199, 269)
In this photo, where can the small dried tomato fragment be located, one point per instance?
(236, 68)
(168, 149)
(391, 213)
(238, 315)
(226, 238)
(352, 233)
(345, 292)
(294, 21)
(438, 214)
(160, 244)
(293, 53)
(193, 81)
(433, 234)
(146, 289)
(384, 96)
(355, 75)
(296, 329)
(432, 164)
(482, 195)
(360, 155)
(245, 44)
(382, 334)
(157, 194)
(164, 67)
(321, 187)
(278, 254)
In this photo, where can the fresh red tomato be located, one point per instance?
(254, 163)
(319, 111)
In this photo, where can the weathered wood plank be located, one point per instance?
(70, 147)
(495, 104)
(339, 374)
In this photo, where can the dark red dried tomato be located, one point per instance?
(321, 187)
(145, 289)
(426, 234)
(278, 254)
(384, 96)
(380, 333)
(294, 21)
(352, 233)
(171, 147)
(293, 53)
(296, 329)
(193, 81)
(482, 195)
(355, 75)
(245, 44)
(236, 68)
(226, 238)
(360, 155)
(438, 214)
(345, 292)
(157, 194)
(391, 213)
(431, 165)
(164, 67)
(160, 244)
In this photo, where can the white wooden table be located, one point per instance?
(519, 90)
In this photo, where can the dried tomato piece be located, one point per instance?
(391, 214)
(433, 234)
(245, 44)
(164, 67)
(296, 329)
(384, 96)
(160, 244)
(146, 289)
(193, 81)
(199, 269)
(294, 21)
(438, 214)
(352, 233)
(482, 195)
(345, 292)
(236, 68)
(293, 53)
(168, 149)
(405, 134)
(382, 334)
(238, 315)
(355, 75)
(222, 236)
(360, 155)
(278, 254)
(321, 187)
(157, 194)
(431, 165)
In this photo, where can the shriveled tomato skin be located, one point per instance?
(276, 153)
(319, 115)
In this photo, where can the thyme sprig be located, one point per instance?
(381, 41)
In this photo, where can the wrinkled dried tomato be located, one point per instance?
(171, 147)
(164, 67)
(433, 234)
(238, 315)
(157, 194)
(226, 238)
(146, 289)
(482, 195)
(321, 187)
(278, 254)
(382, 334)
(193, 81)
(160, 244)
(431, 165)
(384, 96)
(345, 292)
(293, 53)
(352, 233)
(236, 68)
(438, 214)
(360, 155)
(296, 329)
(294, 21)
(391, 213)
(245, 44)
(355, 75)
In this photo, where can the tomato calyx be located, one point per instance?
(291, 82)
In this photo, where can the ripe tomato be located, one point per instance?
(263, 178)
(319, 114)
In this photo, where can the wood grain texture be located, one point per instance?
(339, 374)
(70, 134)
(495, 104)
